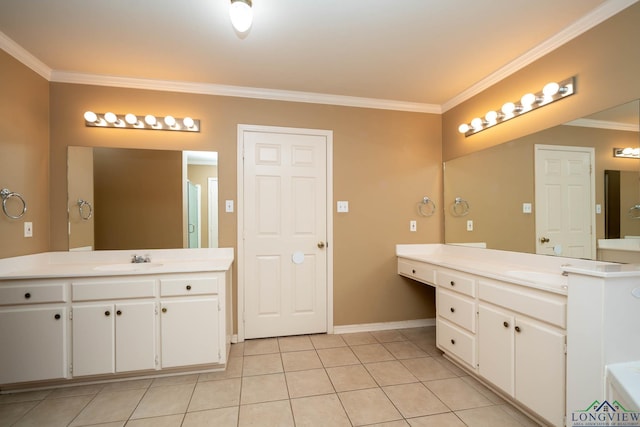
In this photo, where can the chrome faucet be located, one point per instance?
(140, 259)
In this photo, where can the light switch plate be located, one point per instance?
(343, 206)
(469, 225)
(413, 225)
(228, 206)
(28, 229)
(526, 208)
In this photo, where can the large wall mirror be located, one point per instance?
(496, 189)
(121, 198)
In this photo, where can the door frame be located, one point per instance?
(592, 179)
(328, 134)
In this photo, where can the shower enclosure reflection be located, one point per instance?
(140, 198)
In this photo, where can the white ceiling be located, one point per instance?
(431, 53)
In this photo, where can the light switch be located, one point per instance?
(413, 225)
(343, 206)
(228, 206)
(598, 209)
(526, 208)
(28, 229)
(470, 225)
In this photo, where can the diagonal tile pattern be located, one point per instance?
(384, 378)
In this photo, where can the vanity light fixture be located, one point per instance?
(552, 92)
(132, 121)
(241, 14)
(628, 152)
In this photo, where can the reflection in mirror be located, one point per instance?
(141, 199)
(499, 183)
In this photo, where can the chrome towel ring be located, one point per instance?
(460, 207)
(426, 207)
(634, 212)
(6, 195)
(86, 210)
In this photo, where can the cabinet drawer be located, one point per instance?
(417, 270)
(32, 293)
(541, 305)
(456, 281)
(454, 340)
(458, 309)
(189, 286)
(112, 289)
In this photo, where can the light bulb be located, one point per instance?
(627, 151)
(150, 120)
(188, 122)
(527, 100)
(90, 116)
(110, 117)
(492, 117)
(550, 89)
(463, 128)
(508, 108)
(170, 121)
(241, 15)
(132, 119)
(476, 124)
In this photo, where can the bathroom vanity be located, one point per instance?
(87, 316)
(539, 330)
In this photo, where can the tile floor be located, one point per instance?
(388, 378)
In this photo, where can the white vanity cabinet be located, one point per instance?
(192, 320)
(33, 331)
(524, 355)
(113, 326)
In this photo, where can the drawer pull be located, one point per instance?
(57, 317)
(164, 309)
(413, 271)
(453, 341)
(27, 295)
(107, 313)
(119, 312)
(188, 287)
(505, 324)
(517, 328)
(453, 310)
(452, 283)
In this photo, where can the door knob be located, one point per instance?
(544, 240)
(321, 245)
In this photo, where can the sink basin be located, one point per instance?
(130, 266)
(537, 276)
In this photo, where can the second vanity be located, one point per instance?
(536, 329)
(88, 316)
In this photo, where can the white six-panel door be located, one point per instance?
(284, 223)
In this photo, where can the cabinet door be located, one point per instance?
(93, 339)
(495, 347)
(135, 336)
(540, 369)
(32, 344)
(189, 331)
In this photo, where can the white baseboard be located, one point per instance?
(385, 326)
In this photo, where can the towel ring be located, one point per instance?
(82, 204)
(460, 207)
(7, 194)
(426, 207)
(634, 212)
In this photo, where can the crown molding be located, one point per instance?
(241, 92)
(590, 20)
(22, 55)
(603, 124)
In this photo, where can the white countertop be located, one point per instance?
(626, 379)
(114, 263)
(537, 271)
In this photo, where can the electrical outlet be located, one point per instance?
(228, 205)
(469, 225)
(413, 225)
(343, 206)
(28, 229)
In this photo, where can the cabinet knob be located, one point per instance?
(413, 271)
(118, 312)
(107, 313)
(453, 341)
(57, 317)
(188, 287)
(27, 295)
(517, 328)
(452, 283)
(164, 309)
(506, 324)
(453, 310)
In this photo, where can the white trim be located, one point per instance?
(603, 124)
(25, 57)
(328, 134)
(603, 12)
(385, 326)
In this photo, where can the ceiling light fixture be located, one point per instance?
(241, 14)
(149, 121)
(551, 92)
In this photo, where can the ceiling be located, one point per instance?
(427, 53)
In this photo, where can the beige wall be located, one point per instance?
(24, 156)
(384, 162)
(605, 62)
